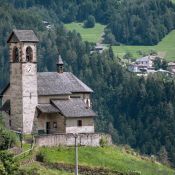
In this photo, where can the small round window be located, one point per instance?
(29, 54)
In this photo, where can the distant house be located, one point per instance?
(143, 66)
(171, 67)
(45, 22)
(133, 68)
(99, 48)
(146, 61)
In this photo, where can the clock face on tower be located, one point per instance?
(28, 68)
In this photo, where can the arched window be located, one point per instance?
(15, 55)
(29, 54)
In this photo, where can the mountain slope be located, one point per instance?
(111, 158)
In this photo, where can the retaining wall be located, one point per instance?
(89, 139)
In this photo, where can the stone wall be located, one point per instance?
(69, 140)
(16, 96)
(6, 117)
(30, 96)
(23, 86)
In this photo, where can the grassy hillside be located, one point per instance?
(45, 171)
(113, 158)
(88, 34)
(165, 47)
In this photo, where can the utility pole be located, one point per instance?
(76, 154)
(21, 137)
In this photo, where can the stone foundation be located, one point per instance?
(90, 139)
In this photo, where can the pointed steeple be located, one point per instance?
(60, 65)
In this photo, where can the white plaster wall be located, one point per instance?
(87, 125)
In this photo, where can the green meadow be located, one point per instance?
(44, 170)
(166, 48)
(114, 158)
(88, 34)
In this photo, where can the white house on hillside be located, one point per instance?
(146, 61)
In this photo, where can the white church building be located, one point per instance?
(43, 102)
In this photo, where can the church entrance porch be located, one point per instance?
(50, 123)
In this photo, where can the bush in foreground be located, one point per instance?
(8, 139)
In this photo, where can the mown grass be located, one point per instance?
(87, 34)
(113, 158)
(165, 47)
(43, 170)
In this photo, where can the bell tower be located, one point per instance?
(23, 79)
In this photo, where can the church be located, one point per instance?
(43, 102)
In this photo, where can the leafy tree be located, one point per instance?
(157, 63)
(160, 64)
(90, 22)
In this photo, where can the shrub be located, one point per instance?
(7, 164)
(7, 138)
(41, 157)
(90, 22)
(103, 141)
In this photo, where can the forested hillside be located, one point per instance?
(135, 111)
(139, 22)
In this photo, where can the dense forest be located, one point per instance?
(134, 22)
(135, 111)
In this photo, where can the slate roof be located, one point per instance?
(47, 108)
(24, 36)
(53, 83)
(60, 61)
(73, 107)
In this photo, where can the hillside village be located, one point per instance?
(146, 65)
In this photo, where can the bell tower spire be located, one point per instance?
(60, 64)
(23, 79)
